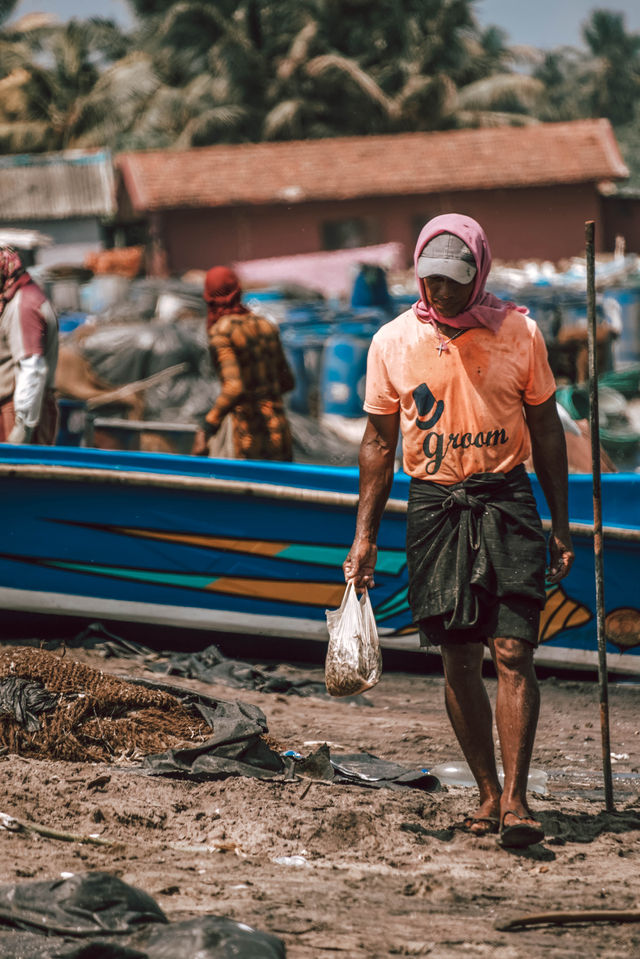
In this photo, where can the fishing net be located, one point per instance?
(55, 708)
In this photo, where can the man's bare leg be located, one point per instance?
(517, 709)
(469, 712)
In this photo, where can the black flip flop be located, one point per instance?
(492, 826)
(521, 834)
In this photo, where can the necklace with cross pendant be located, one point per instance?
(442, 344)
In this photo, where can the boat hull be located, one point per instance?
(257, 548)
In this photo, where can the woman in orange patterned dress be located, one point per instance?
(247, 354)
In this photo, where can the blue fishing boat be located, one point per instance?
(256, 548)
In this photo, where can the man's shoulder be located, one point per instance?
(17, 307)
(517, 322)
(396, 327)
(30, 295)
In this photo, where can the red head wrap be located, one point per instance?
(222, 293)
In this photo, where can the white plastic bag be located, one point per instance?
(221, 443)
(354, 660)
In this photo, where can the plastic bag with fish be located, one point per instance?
(354, 661)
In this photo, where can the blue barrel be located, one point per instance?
(370, 288)
(71, 422)
(305, 314)
(303, 348)
(400, 302)
(68, 322)
(271, 294)
(344, 368)
(626, 348)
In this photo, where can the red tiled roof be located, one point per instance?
(582, 151)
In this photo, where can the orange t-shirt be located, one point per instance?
(461, 412)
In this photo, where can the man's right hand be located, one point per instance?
(360, 564)
(562, 555)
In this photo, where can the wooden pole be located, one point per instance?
(597, 514)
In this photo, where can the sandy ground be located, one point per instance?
(380, 872)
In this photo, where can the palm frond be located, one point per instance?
(493, 118)
(322, 65)
(283, 119)
(503, 90)
(191, 23)
(27, 137)
(116, 102)
(212, 126)
(13, 56)
(525, 54)
(13, 95)
(130, 79)
(298, 51)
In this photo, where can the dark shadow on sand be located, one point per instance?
(562, 827)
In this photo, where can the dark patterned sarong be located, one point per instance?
(472, 544)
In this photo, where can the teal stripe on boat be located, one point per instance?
(394, 604)
(389, 561)
(140, 575)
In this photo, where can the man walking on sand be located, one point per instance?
(465, 377)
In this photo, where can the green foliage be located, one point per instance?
(150, 8)
(628, 136)
(196, 72)
(616, 83)
(7, 8)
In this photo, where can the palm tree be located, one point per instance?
(196, 72)
(391, 67)
(566, 75)
(616, 77)
(197, 78)
(62, 66)
(604, 83)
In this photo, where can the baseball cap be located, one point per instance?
(447, 255)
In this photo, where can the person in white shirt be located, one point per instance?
(28, 356)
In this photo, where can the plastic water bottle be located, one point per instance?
(453, 774)
(457, 773)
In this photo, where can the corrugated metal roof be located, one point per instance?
(583, 151)
(57, 186)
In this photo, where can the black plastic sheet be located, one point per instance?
(368, 770)
(25, 701)
(210, 665)
(236, 748)
(362, 769)
(98, 916)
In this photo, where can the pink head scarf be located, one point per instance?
(483, 309)
(12, 275)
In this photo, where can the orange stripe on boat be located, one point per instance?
(260, 547)
(284, 591)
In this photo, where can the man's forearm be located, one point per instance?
(549, 451)
(376, 463)
(550, 463)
